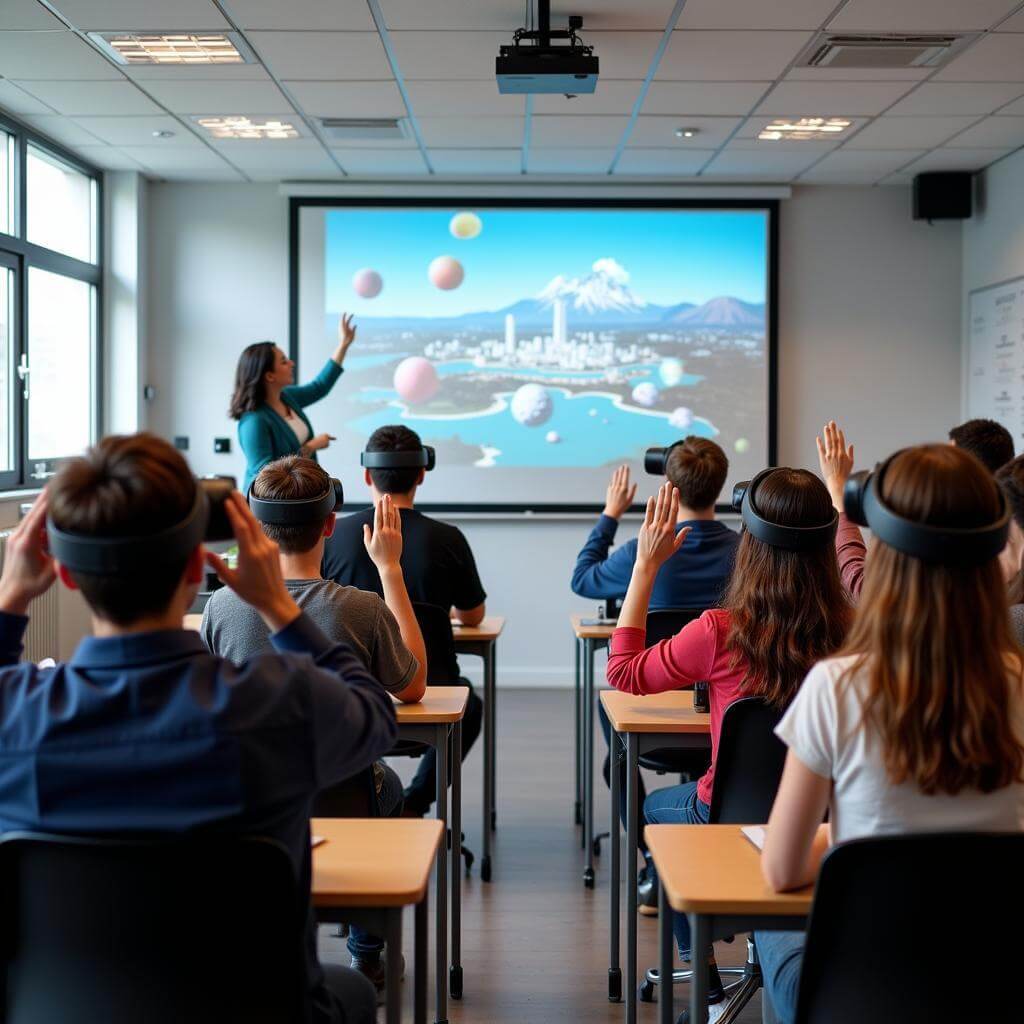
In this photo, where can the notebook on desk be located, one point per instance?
(755, 833)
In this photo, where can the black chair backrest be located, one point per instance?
(875, 948)
(749, 763)
(665, 622)
(436, 627)
(355, 797)
(197, 930)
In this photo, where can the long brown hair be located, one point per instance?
(935, 641)
(1011, 479)
(788, 608)
(250, 393)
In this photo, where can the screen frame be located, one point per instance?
(769, 206)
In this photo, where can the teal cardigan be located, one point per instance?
(265, 436)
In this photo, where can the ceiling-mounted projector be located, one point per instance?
(532, 64)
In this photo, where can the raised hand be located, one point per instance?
(836, 461)
(346, 332)
(28, 568)
(619, 496)
(658, 539)
(384, 542)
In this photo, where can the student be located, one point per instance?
(1011, 479)
(918, 725)
(836, 460)
(115, 741)
(986, 440)
(697, 574)
(384, 635)
(784, 610)
(438, 568)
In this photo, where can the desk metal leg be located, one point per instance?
(455, 975)
(419, 969)
(441, 937)
(491, 667)
(577, 736)
(393, 975)
(666, 1010)
(700, 942)
(485, 864)
(614, 968)
(632, 812)
(588, 763)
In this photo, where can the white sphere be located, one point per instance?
(645, 394)
(367, 283)
(531, 405)
(552, 437)
(465, 225)
(681, 418)
(671, 372)
(445, 273)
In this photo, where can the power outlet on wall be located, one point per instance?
(222, 445)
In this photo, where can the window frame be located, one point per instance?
(20, 255)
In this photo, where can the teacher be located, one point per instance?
(269, 405)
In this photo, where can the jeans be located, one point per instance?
(677, 805)
(352, 995)
(781, 955)
(419, 796)
(389, 805)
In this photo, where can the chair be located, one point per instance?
(199, 930)
(878, 907)
(747, 773)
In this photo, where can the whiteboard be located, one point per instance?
(995, 369)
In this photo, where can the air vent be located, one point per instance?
(880, 51)
(364, 129)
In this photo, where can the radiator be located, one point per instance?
(42, 638)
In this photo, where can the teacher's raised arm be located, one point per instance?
(269, 405)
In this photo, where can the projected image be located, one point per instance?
(540, 339)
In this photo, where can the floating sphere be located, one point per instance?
(531, 405)
(446, 273)
(465, 225)
(645, 394)
(592, 412)
(671, 372)
(552, 437)
(416, 380)
(367, 283)
(742, 445)
(681, 418)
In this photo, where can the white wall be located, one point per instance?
(869, 333)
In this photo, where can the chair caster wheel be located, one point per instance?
(614, 985)
(455, 982)
(646, 992)
(469, 858)
(588, 878)
(485, 869)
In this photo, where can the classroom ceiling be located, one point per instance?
(723, 67)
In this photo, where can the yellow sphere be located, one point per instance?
(742, 445)
(465, 225)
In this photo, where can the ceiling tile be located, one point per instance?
(908, 132)
(659, 132)
(729, 56)
(323, 56)
(625, 55)
(63, 130)
(73, 98)
(27, 14)
(857, 74)
(49, 56)
(679, 98)
(760, 164)
(994, 58)
(452, 99)
(506, 16)
(467, 133)
(138, 131)
(1013, 24)
(348, 99)
(1015, 108)
(381, 161)
(445, 56)
(141, 14)
(742, 14)
(956, 160)
(564, 132)
(161, 159)
(992, 133)
(109, 158)
(920, 15)
(662, 161)
(476, 161)
(298, 159)
(315, 15)
(817, 147)
(957, 98)
(205, 97)
(611, 97)
(831, 99)
(197, 72)
(569, 161)
(860, 166)
(17, 101)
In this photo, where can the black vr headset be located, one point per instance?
(790, 538)
(110, 556)
(945, 545)
(656, 459)
(419, 458)
(297, 511)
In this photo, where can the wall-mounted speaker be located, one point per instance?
(943, 195)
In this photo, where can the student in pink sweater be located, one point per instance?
(785, 610)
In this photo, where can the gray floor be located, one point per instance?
(535, 942)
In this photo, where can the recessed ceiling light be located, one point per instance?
(174, 47)
(239, 127)
(163, 134)
(686, 133)
(803, 128)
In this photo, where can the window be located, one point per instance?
(50, 276)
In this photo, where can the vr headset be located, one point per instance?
(297, 511)
(108, 556)
(421, 458)
(789, 538)
(655, 459)
(944, 545)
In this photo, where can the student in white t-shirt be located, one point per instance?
(918, 724)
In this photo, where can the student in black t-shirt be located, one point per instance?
(438, 567)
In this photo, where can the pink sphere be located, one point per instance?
(416, 380)
(446, 273)
(367, 283)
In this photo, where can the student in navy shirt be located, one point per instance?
(145, 731)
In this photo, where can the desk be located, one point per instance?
(429, 721)
(365, 873)
(481, 640)
(712, 873)
(589, 640)
(647, 723)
